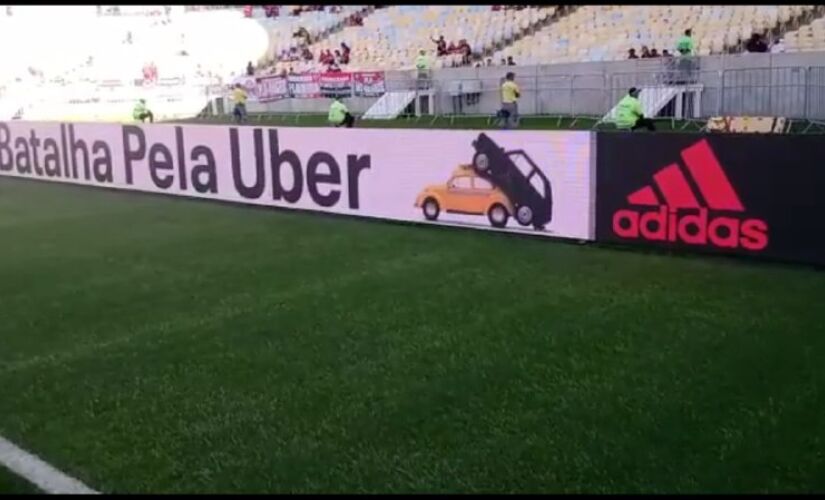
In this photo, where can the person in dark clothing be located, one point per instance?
(250, 69)
(756, 44)
(440, 46)
(345, 51)
(631, 54)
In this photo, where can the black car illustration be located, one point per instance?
(528, 189)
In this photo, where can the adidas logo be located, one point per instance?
(683, 217)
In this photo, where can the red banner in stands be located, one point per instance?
(369, 83)
(304, 86)
(314, 85)
(335, 84)
(271, 88)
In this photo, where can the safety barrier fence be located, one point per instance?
(690, 91)
(738, 194)
(695, 90)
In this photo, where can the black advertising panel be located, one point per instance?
(737, 194)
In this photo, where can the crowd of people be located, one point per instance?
(684, 46)
(275, 10)
(508, 61)
(647, 53)
(329, 59)
(757, 45)
(442, 48)
(497, 8)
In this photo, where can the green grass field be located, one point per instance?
(11, 484)
(153, 344)
(483, 122)
(442, 122)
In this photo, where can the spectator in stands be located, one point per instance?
(452, 48)
(631, 54)
(304, 34)
(509, 100)
(307, 54)
(355, 20)
(665, 53)
(339, 114)
(685, 44)
(489, 61)
(291, 71)
(239, 96)
(503, 62)
(756, 44)
(345, 51)
(510, 61)
(645, 52)
(250, 69)
(141, 112)
(466, 51)
(440, 46)
(334, 68)
(654, 53)
(629, 113)
(778, 47)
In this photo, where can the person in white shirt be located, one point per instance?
(778, 47)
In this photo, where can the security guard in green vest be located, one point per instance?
(422, 64)
(629, 113)
(339, 114)
(141, 112)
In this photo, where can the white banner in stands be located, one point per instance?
(518, 181)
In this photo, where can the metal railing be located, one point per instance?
(791, 92)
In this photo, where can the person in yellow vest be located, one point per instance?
(239, 96)
(510, 94)
(629, 113)
(339, 114)
(422, 65)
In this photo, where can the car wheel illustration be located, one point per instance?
(431, 209)
(481, 162)
(498, 215)
(524, 215)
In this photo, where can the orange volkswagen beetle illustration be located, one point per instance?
(465, 193)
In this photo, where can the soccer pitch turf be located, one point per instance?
(155, 344)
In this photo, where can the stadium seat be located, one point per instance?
(606, 32)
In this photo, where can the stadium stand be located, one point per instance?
(607, 32)
(316, 26)
(109, 56)
(808, 37)
(391, 37)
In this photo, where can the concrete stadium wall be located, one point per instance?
(791, 85)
